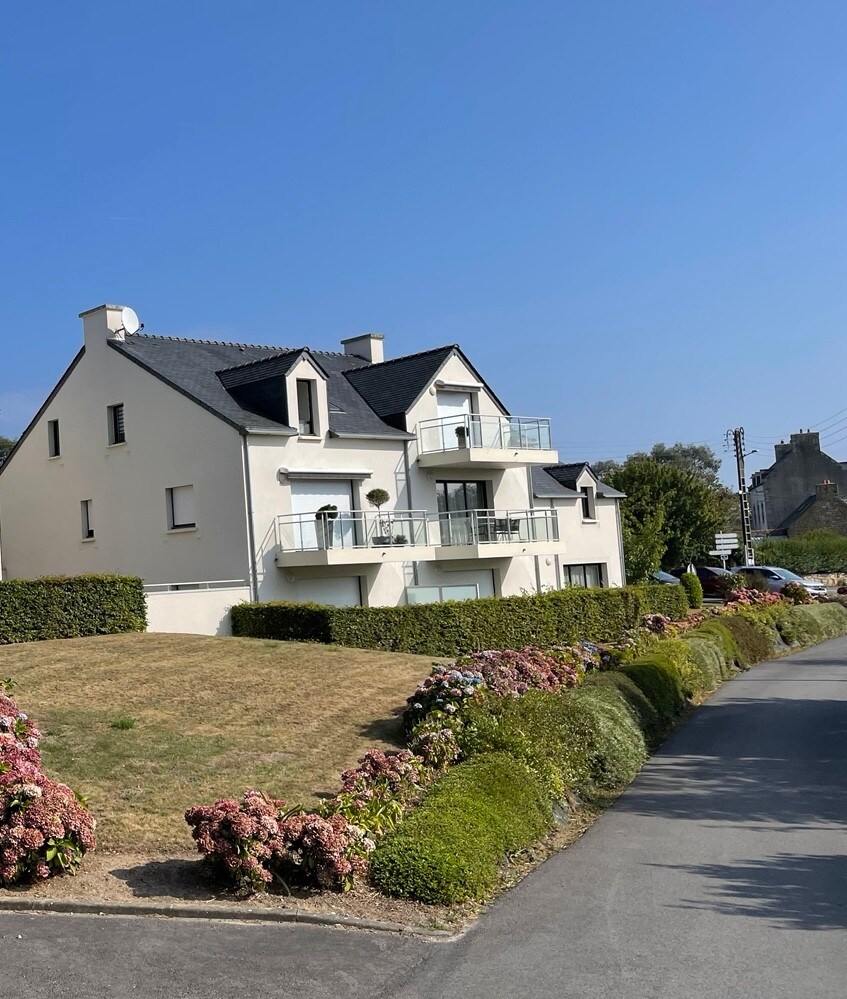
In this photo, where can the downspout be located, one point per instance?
(251, 534)
(532, 507)
(408, 472)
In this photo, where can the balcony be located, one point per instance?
(475, 534)
(370, 538)
(485, 442)
(352, 538)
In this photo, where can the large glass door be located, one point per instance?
(458, 503)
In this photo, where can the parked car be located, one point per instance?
(663, 577)
(708, 576)
(777, 578)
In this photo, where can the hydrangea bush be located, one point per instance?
(259, 839)
(375, 794)
(44, 828)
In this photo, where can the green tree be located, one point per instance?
(6, 445)
(691, 510)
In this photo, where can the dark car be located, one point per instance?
(663, 577)
(708, 576)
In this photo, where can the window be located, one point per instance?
(306, 407)
(53, 447)
(582, 575)
(180, 507)
(117, 432)
(87, 522)
(588, 509)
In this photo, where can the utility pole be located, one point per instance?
(743, 498)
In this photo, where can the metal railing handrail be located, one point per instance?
(351, 529)
(474, 430)
(484, 526)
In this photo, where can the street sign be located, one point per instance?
(729, 539)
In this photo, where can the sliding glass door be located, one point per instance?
(458, 503)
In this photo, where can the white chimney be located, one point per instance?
(368, 346)
(105, 322)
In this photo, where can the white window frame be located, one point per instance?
(312, 399)
(173, 524)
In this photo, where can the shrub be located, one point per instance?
(752, 579)
(44, 828)
(257, 839)
(812, 624)
(754, 642)
(715, 630)
(796, 593)
(548, 620)
(693, 589)
(660, 681)
(375, 795)
(643, 710)
(709, 661)
(70, 607)
(451, 847)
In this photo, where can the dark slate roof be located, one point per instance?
(544, 486)
(795, 515)
(390, 397)
(567, 475)
(222, 378)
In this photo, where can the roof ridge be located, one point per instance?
(262, 360)
(237, 343)
(406, 357)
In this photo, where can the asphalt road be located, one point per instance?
(721, 872)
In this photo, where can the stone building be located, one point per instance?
(784, 495)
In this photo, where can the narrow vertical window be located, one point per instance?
(587, 503)
(117, 431)
(180, 502)
(87, 521)
(53, 446)
(305, 407)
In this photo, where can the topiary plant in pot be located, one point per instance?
(378, 498)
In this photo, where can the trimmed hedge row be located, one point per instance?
(450, 848)
(522, 753)
(456, 627)
(70, 607)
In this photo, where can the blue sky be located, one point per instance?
(631, 215)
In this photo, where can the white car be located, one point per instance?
(777, 578)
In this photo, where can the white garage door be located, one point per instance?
(308, 496)
(338, 592)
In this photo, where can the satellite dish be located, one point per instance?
(130, 321)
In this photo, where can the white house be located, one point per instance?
(203, 467)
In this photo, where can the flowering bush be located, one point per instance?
(259, 838)
(16, 723)
(375, 795)
(443, 690)
(657, 624)
(240, 837)
(434, 740)
(745, 598)
(44, 828)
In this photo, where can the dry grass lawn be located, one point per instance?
(202, 718)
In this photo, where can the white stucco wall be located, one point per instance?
(194, 612)
(171, 441)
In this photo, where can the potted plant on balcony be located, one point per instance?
(462, 436)
(400, 539)
(325, 528)
(377, 498)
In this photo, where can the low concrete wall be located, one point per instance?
(194, 612)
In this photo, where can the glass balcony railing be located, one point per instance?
(354, 529)
(488, 527)
(499, 433)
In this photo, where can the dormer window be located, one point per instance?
(306, 407)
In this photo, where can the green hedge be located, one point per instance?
(451, 846)
(455, 627)
(660, 680)
(820, 551)
(70, 607)
(812, 623)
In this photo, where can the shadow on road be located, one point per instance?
(793, 892)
